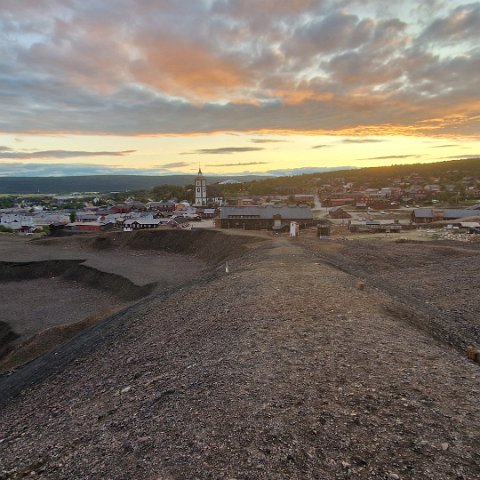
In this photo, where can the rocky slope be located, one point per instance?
(286, 367)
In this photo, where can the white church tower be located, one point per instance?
(200, 190)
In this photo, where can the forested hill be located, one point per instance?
(374, 177)
(448, 172)
(100, 183)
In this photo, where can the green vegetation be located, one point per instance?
(143, 188)
(4, 229)
(451, 172)
(169, 192)
(7, 202)
(97, 183)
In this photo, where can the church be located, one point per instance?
(200, 190)
(206, 196)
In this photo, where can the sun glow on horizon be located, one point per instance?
(237, 154)
(262, 87)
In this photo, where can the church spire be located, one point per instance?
(200, 189)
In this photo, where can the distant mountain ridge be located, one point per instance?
(102, 183)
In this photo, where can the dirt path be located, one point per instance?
(282, 368)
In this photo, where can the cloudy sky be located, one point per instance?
(237, 86)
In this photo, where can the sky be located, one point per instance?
(276, 87)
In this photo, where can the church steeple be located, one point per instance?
(200, 189)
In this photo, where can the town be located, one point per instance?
(331, 205)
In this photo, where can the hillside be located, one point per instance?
(374, 177)
(298, 364)
(98, 183)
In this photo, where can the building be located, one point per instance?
(428, 215)
(163, 206)
(338, 213)
(141, 223)
(265, 217)
(374, 226)
(200, 190)
(214, 196)
(86, 226)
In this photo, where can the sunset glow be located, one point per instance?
(239, 86)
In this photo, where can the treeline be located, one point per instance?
(98, 183)
(371, 177)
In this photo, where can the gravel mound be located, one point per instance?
(283, 368)
(209, 245)
(434, 284)
(73, 270)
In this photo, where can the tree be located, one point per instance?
(167, 192)
(73, 216)
(291, 200)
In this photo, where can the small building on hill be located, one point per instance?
(265, 217)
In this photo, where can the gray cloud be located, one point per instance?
(237, 164)
(270, 66)
(321, 146)
(8, 154)
(463, 156)
(361, 140)
(306, 170)
(173, 165)
(17, 169)
(461, 23)
(390, 157)
(267, 140)
(445, 146)
(335, 32)
(222, 150)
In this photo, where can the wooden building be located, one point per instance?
(265, 217)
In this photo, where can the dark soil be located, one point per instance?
(42, 291)
(7, 336)
(295, 365)
(434, 284)
(210, 246)
(74, 271)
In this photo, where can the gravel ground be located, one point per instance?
(33, 305)
(286, 367)
(140, 266)
(435, 284)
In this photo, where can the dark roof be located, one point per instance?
(474, 207)
(142, 221)
(423, 213)
(457, 213)
(446, 212)
(267, 212)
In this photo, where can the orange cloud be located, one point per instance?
(181, 68)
